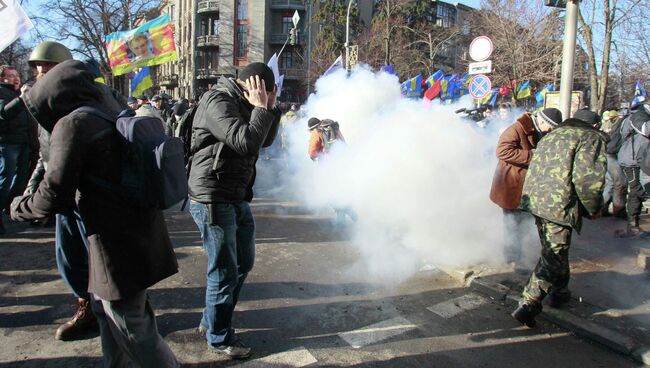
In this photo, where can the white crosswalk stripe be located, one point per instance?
(452, 307)
(377, 332)
(299, 357)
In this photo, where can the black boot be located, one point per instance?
(526, 312)
(557, 299)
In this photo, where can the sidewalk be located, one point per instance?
(610, 289)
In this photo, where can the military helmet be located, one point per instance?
(51, 52)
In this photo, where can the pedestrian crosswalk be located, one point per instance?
(299, 357)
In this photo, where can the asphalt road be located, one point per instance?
(306, 303)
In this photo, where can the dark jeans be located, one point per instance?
(635, 193)
(615, 184)
(229, 241)
(14, 171)
(71, 249)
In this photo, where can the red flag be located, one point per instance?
(434, 91)
(504, 90)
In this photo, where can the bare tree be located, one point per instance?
(598, 21)
(88, 22)
(527, 38)
(405, 33)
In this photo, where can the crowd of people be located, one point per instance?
(109, 250)
(555, 171)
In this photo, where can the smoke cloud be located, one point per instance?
(418, 177)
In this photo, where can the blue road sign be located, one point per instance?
(480, 86)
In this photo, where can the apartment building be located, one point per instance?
(219, 37)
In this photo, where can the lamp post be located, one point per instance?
(568, 57)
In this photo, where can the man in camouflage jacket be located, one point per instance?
(564, 182)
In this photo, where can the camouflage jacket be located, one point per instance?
(566, 176)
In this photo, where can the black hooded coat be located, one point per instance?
(129, 247)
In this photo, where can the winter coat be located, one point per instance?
(129, 247)
(227, 135)
(15, 125)
(317, 146)
(634, 143)
(566, 176)
(514, 151)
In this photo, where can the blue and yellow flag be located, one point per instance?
(524, 90)
(433, 78)
(412, 87)
(541, 95)
(141, 81)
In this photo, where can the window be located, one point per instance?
(207, 59)
(242, 36)
(241, 30)
(287, 24)
(286, 60)
(446, 16)
(215, 26)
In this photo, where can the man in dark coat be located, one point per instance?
(129, 247)
(16, 134)
(233, 121)
(514, 151)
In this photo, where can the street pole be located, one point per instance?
(568, 57)
(347, 37)
(309, 48)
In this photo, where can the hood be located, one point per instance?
(66, 87)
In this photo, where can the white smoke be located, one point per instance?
(417, 176)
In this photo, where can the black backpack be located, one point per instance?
(185, 124)
(329, 132)
(615, 139)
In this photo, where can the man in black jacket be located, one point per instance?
(16, 132)
(233, 121)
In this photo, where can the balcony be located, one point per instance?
(280, 38)
(293, 73)
(169, 81)
(207, 6)
(205, 73)
(288, 4)
(207, 40)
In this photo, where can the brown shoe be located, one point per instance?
(82, 322)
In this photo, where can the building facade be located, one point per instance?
(219, 37)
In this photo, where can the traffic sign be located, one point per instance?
(295, 19)
(480, 86)
(480, 67)
(481, 48)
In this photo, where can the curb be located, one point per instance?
(587, 329)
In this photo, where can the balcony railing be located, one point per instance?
(288, 4)
(205, 73)
(168, 80)
(293, 73)
(207, 6)
(280, 38)
(207, 40)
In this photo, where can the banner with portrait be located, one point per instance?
(152, 43)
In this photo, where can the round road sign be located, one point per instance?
(480, 86)
(481, 48)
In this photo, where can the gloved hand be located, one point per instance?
(15, 204)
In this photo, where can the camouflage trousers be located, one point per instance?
(552, 271)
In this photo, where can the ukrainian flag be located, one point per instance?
(524, 90)
(141, 81)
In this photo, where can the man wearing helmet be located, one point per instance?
(70, 248)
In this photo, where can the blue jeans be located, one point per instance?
(229, 242)
(14, 171)
(71, 249)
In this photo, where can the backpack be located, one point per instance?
(152, 167)
(185, 124)
(615, 139)
(329, 132)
